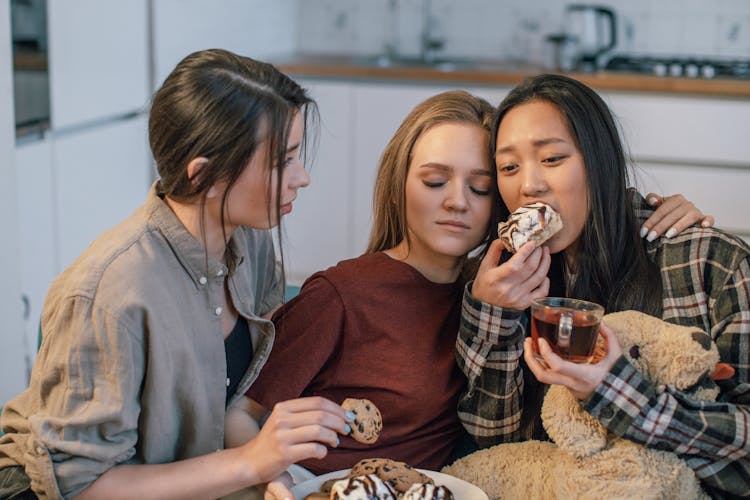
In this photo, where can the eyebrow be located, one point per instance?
(537, 143)
(446, 168)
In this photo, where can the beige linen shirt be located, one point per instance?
(132, 368)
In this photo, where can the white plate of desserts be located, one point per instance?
(461, 489)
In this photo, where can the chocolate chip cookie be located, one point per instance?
(368, 422)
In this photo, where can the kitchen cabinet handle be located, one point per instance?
(26, 306)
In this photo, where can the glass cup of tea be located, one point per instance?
(570, 327)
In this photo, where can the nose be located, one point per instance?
(533, 181)
(300, 177)
(456, 196)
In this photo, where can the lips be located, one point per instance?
(453, 225)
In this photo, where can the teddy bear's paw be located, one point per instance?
(511, 471)
(574, 430)
(628, 470)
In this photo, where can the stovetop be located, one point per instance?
(681, 67)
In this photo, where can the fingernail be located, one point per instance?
(652, 200)
(651, 236)
(644, 231)
(337, 441)
(350, 416)
(705, 223)
(672, 231)
(347, 429)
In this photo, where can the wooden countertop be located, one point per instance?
(497, 73)
(30, 61)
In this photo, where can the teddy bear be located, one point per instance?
(585, 460)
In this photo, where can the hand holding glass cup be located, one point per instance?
(570, 327)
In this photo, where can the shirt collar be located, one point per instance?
(189, 251)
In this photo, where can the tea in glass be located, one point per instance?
(570, 326)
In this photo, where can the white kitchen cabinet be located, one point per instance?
(719, 191)
(101, 176)
(689, 129)
(13, 378)
(91, 169)
(37, 232)
(98, 59)
(696, 146)
(71, 188)
(316, 233)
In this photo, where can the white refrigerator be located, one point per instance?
(92, 167)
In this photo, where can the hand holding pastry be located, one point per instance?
(514, 283)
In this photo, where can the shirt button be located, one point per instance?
(40, 450)
(607, 413)
(203, 280)
(218, 310)
(220, 272)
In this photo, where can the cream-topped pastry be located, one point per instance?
(535, 222)
(423, 491)
(366, 487)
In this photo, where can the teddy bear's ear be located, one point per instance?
(574, 430)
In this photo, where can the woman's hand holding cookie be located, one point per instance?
(296, 430)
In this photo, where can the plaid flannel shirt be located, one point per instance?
(706, 281)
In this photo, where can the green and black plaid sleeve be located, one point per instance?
(706, 279)
(488, 349)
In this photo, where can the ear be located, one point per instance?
(194, 168)
(193, 173)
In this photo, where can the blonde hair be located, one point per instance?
(389, 200)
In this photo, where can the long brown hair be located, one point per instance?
(612, 266)
(389, 200)
(222, 106)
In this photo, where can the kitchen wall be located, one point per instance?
(515, 29)
(256, 28)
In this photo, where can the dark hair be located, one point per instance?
(612, 266)
(389, 200)
(222, 106)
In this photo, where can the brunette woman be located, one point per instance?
(160, 323)
(555, 141)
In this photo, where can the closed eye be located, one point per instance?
(430, 184)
